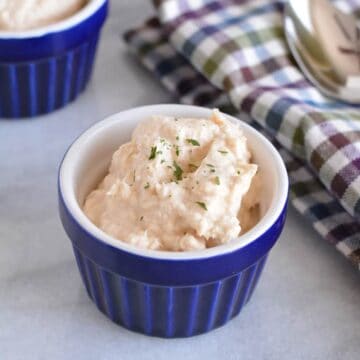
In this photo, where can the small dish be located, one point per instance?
(44, 69)
(166, 294)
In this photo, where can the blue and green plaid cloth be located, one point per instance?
(232, 54)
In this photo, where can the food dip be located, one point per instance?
(180, 184)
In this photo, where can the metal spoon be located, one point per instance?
(308, 54)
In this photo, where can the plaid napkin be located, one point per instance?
(232, 55)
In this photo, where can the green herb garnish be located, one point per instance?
(217, 180)
(224, 152)
(193, 142)
(152, 153)
(178, 172)
(147, 185)
(162, 161)
(202, 205)
(210, 165)
(177, 138)
(177, 150)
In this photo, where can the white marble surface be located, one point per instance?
(306, 306)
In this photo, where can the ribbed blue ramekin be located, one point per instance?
(167, 311)
(43, 70)
(162, 293)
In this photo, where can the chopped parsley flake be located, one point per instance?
(177, 150)
(159, 152)
(152, 153)
(217, 180)
(177, 138)
(238, 172)
(162, 161)
(178, 172)
(224, 152)
(193, 142)
(212, 170)
(147, 185)
(165, 143)
(202, 205)
(210, 165)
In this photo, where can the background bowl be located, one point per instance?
(165, 294)
(44, 69)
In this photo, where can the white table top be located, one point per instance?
(305, 307)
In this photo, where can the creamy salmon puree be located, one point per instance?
(30, 14)
(180, 184)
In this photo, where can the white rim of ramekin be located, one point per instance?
(89, 9)
(271, 216)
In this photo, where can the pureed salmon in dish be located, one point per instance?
(18, 15)
(180, 184)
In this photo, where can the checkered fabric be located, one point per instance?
(259, 83)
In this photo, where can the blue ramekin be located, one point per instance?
(44, 69)
(165, 294)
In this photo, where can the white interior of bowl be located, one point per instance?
(88, 158)
(90, 8)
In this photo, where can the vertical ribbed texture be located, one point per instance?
(34, 88)
(168, 311)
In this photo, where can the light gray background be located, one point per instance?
(307, 305)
